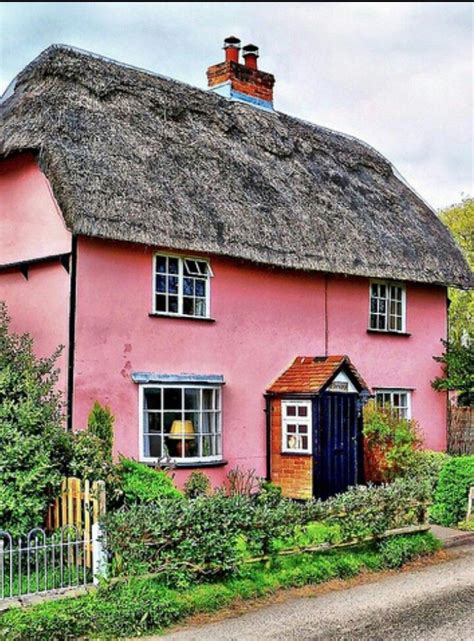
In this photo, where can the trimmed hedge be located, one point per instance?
(451, 494)
(142, 606)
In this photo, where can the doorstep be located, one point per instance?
(451, 537)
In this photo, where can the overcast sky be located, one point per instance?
(396, 75)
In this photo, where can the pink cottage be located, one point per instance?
(232, 281)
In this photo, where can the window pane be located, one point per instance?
(173, 304)
(192, 398)
(200, 307)
(208, 446)
(304, 442)
(303, 429)
(153, 422)
(160, 304)
(173, 266)
(188, 286)
(153, 446)
(161, 284)
(302, 410)
(291, 429)
(173, 284)
(291, 410)
(188, 306)
(172, 398)
(190, 267)
(161, 264)
(153, 399)
(200, 287)
(208, 399)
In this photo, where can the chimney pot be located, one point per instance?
(250, 53)
(232, 48)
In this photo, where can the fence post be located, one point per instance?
(99, 554)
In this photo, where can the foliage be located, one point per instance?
(398, 550)
(458, 370)
(33, 443)
(197, 484)
(243, 482)
(100, 424)
(451, 494)
(139, 483)
(186, 541)
(141, 606)
(427, 466)
(460, 220)
(391, 443)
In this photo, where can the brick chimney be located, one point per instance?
(244, 82)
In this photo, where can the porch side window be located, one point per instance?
(181, 286)
(296, 427)
(387, 307)
(182, 422)
(397, 400)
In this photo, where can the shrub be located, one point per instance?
(187, 540)
(34, 447)
(197, 484)
(140, 483)
(398, 550)
(427, 465)
(451, 494)
(100, 424)
(390, 442)
(244, 482)
(140, 606)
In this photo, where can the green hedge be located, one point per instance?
(190, 539)
(451, 494)
(142, 606)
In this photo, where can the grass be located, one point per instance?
(143, 606)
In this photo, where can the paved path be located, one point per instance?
(433, 603)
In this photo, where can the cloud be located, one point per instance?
(397, 75)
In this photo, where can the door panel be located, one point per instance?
(338, 436)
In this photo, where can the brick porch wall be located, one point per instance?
(292, 472)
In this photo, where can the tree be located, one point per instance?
(460, 221)
(458, 370)
(33, 443)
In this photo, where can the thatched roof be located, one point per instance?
(137, 157)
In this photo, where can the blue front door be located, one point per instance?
(337, 445)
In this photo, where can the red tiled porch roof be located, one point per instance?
(309, 374)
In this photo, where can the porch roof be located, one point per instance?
(310, 374)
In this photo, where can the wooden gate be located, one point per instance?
(80, 505)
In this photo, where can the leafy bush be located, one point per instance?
(427, 465)
(398, 550)
(197, 484)
(458, 370)
(188, 540)
(100, 424)
(142, 606)
(390, 442)
(34, 447)
(244, 482)
(451, 494)
(140, 483)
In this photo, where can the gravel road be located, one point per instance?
(434, 603)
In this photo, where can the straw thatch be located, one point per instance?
(137, 157)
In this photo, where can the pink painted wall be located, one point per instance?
(264, 318)
(31, 225)
(40, 307)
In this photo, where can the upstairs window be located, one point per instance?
(397, 400)
(387, 307)
(181, 286)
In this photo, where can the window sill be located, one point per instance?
(184, 465)
(384, 332)
(296, 454)
(178, 317)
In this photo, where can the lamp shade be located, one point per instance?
(180, 429)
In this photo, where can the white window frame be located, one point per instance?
(388, 284)
(180, 275)
(218, 412)
(302, 420)
(392, 391)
